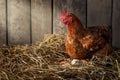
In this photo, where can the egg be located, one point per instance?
(75, 62)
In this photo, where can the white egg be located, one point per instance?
(75, 62)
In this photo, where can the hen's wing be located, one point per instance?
(92, 42)
(96, 40)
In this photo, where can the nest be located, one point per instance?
(40, 61)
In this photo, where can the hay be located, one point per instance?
(40, 61)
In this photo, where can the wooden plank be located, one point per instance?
(78, 7)
(2, 22)
(116, 24)
(41, 19)
(99, 12)
(19, 21)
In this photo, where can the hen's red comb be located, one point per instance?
(63, 15)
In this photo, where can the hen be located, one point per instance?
(82, 43)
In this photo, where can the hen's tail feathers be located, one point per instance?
(103, 31)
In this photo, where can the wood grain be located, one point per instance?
(116, 24)
(41, 19)
(19, 21)
(2, 22)
(78, 7)
(99, 12)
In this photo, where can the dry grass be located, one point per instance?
(40, 61)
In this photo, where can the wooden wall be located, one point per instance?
(116, 24)
(99, 12)
(2, 22)
(26, 21)
(18, 16)
(40, 18)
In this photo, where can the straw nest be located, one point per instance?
(40, 61)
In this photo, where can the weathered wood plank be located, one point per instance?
(77, 7)
(116, 24)
(98, 12)
(2, 22)
(19, 21)
(41, 19)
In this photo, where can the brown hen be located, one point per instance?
(82, 43)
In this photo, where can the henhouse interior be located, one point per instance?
(59, 40)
